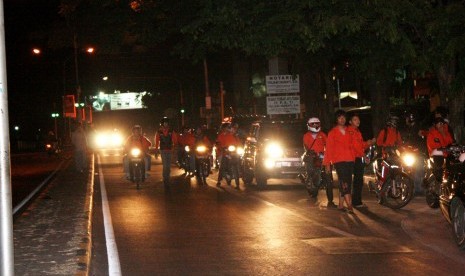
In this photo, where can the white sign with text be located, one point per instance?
(280, 84)
(283, 105)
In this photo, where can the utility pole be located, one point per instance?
(208, 100)
(6, 212)
(222, 100)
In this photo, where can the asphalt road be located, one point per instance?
(205, 230)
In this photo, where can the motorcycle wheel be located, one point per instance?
(458, 221)
(432, 199)
(397, 191)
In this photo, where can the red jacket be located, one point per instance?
(316, 144)
(392, 138)
(436, 140)
(141, 142)
(358, 144)
(338, 147)
(226, 139)
(187, 139)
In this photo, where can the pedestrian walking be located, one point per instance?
(79, 141)
(165, 140)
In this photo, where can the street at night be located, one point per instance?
(208, 230)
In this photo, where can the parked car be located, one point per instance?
(273, 149)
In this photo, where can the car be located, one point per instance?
(109, 141)
(273, 149)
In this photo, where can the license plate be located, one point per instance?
(284, 164)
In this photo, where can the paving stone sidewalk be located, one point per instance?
(52, 237)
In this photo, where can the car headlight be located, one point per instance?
(116, 139)
(187, 148)
(232, 148)
(240, 150)
(408, 159)
(274, 150)
(101, 140)
(135, 152)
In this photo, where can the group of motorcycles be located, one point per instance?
(201, 157)
(394, 172)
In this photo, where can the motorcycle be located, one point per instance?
(202, 163)
(314, 178)
(230, 163)
(394, 185)
(136, 160)
(431, 184)
(186, 161)
(452, 192)
(52, 148)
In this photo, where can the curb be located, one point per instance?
(85, 251)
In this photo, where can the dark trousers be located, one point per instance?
(359, 168)
(344, 172)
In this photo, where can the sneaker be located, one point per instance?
(331, 205)
(361, 205)
(350, 210)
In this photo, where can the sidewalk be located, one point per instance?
(53, 236)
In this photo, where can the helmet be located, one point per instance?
(410, 117)
(313, 124)
(137, 128)
(164, 120)
(392, 121)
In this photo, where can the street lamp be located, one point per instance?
(55, 116)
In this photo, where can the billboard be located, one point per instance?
(118, 101)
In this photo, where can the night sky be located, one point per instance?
(34, 85)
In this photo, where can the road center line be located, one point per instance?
(114, 266)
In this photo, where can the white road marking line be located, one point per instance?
(114, 266)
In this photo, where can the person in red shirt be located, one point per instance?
(140, 141)
(315, 140)
(165, 140)
(225, 139)
(339, 152)
(438, 137)
(389, 136)
(359, 146)
(187, 139)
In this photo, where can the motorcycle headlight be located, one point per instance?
(274, 150)
(240, 151)
(187, 149)
(408, 159)
(201, 149)
(135, 152)
(232, 148)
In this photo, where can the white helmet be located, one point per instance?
(313, 124)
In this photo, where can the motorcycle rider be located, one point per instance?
(413, 135)
(315, 140)
(438, 137)
(165, 140)
(389, 136)
(187, 138)
(225, 138)
(136, 139)
(359, 146)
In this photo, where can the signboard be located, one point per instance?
(283, 105)
(280, 84)
(69, 110)
(118, 101)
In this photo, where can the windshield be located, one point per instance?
(289, 134)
